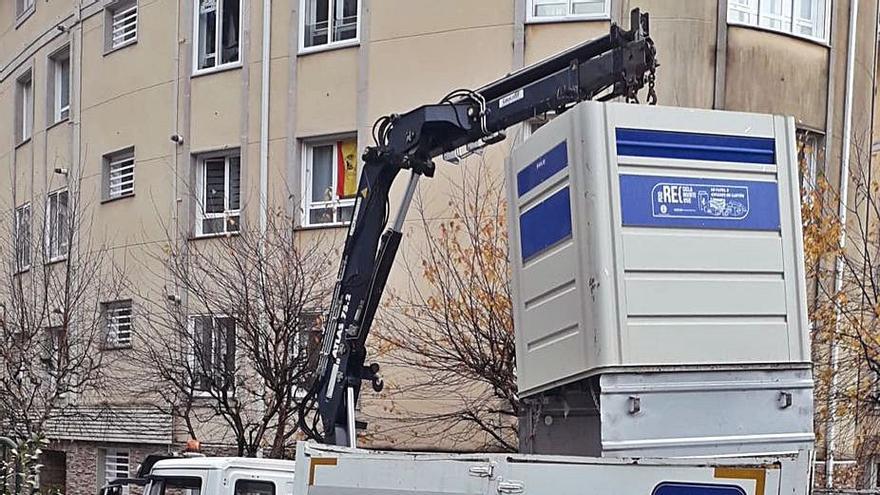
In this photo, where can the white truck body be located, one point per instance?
(325, 470)
(221, 475)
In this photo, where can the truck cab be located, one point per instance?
(213, 476)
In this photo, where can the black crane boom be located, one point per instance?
(617, 64)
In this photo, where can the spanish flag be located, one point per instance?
(346, 168)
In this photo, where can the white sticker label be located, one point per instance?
(512, 97)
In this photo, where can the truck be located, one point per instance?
(660, 350)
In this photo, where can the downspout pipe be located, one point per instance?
(264, 120)
(846, 143)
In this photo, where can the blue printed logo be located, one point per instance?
(692, 202)
(684, 200)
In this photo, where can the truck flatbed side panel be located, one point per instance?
(340, 471)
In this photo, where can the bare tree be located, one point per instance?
(452, 328)
(231, 338)
(55, 274)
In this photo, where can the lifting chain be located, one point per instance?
(652, 75)
(652, 90)
(632, 89)
(632, 93)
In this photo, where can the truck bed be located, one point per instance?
(322, 469)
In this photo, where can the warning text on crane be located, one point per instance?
(653, 201)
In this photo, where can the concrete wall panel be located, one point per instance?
(326, 96)
(770, 73)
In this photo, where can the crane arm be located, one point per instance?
(617, 64)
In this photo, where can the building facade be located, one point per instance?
(192, 113)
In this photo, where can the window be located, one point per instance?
(59, 90)
(810, 158)
(113, 464)
(177, 485)
(561, 10)
(22, 237)
(55, 354)
(329, 22)
(213, 352)
(57, 225)
(217, 35)
(119, 174)
(24, 107)
(219, 180)
(537, 122)
(807, 18)
(120, 24)
(117, 321)
(331, 179)
(309, 344)
(251, 487)
(24, 7)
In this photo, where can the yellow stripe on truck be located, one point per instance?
(757, 474)
(319, 461)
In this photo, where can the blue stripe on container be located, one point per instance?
(541, 169)
(694, 146)
(677, 488)
(545, 225)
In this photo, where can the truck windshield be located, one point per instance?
(174, 486)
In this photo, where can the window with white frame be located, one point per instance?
(120, 24)
(213, 352)
(117, 320)
(329, 22)
(57, 228)
(806, 18)
(59, 100)
(810, 147)
(330, 181)
(219, 186)
(217, 33)
(537, 122)
(119, 174)
(22, 237)
(23, 7)
(24, 107)
(113, 464)
(55, 354)
(562, 10)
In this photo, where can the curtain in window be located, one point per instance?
(322, 173)
(230, 25)
(207, 33)
(215, 185)
(345, 20)
(317, 22)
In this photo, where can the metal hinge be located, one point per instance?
(481, 471)
(511, 486)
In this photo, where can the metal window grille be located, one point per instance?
(118, 316)
(124, 25)
(56, 234)
(121, 176)
(116, 464)
(23, 237)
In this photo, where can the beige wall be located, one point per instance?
(412, 52)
